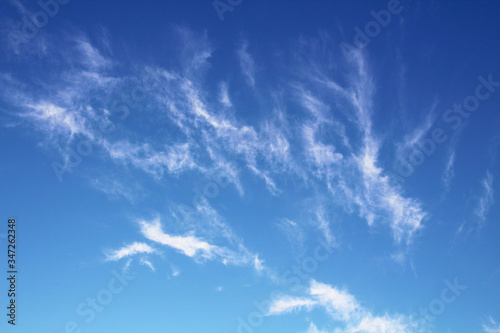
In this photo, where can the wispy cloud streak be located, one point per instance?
(342, 307)
(247, 64)
(130, 250)
(486, 199)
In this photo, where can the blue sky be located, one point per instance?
(233, 166)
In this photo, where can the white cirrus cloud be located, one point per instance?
(313, 329)
(188, 245)
(147, 263)
(449, 170)
(130, 250)
(343, 308)
(200, 249)
(247, 63)
(486, 199)
(289, 304)
(491, 327)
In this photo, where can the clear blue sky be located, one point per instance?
(242, 166)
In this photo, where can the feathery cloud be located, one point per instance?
(247, 64)
(129, 250)
(342, 307)
(449, 170)
(486, 199)
(210, 224)
(491, 327)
